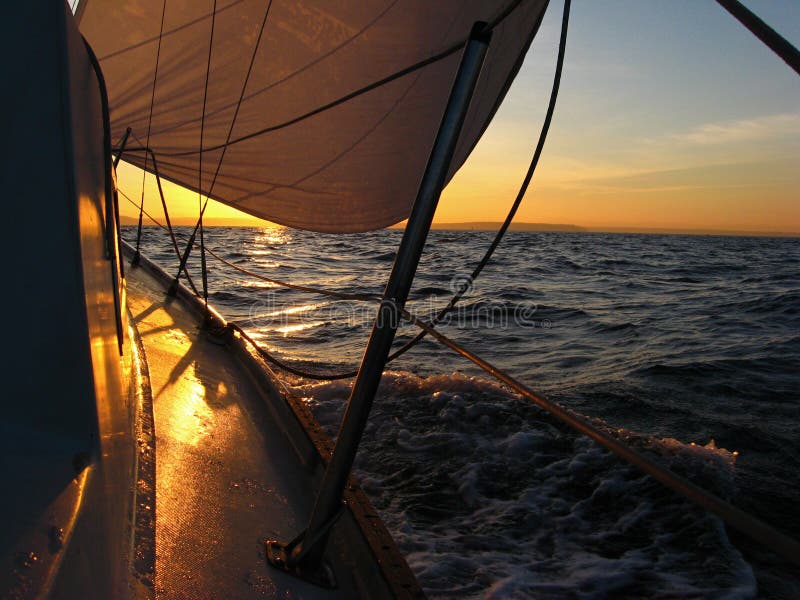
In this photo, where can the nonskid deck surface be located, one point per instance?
(225, 479)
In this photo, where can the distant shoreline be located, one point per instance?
(564, 228)
(494, 225)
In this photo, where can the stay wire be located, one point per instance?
(149, 124)
(771, 38)
(264, 353)
(201, 208)
(166, 213)
(467, 284)
(241, 96)
(182, 261)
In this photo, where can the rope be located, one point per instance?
(479, 267)
(241, 96)
(284, 78)
(756, 529)
(166, 217)
(149, 124)
(294, 286)
(267, 355)
(200, 206)
(289, 368)
(169, 32)
(182, 260)
(467, 284)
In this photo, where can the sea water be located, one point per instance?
(686, 347)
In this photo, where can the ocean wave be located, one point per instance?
(679, 337)
(487, 497)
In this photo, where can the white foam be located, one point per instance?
(487, 497)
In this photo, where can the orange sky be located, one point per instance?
(744, 197)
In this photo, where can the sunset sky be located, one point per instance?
(670, 115)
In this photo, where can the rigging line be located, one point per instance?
(169, 32)
(342, 152)
(241, 98)
(200, 205)
(286, 284)
(182, 261)
(166, 214)
(294, 286)
(347, 97)
(149, 124)
(325, 107)
(286, 367)
(297, 72)
(467, 284)
(264, 353)
(271, 358)
(773, 40)
(748, 524)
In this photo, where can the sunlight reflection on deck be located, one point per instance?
(189, 414)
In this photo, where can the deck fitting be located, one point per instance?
(281, 557)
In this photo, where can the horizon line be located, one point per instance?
(494, 225)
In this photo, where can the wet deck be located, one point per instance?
(225, 478)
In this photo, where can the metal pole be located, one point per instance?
(169, 222)
(121, 148)
(778, 44)
(117, 158)
(303, 556)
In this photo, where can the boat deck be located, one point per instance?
(225, 478)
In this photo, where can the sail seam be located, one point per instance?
(168, 33)
(354, 94)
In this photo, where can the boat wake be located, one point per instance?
(489, 497)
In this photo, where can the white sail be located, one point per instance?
(354, 166)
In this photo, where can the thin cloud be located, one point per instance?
(745, 130)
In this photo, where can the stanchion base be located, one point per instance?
(279, 556)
